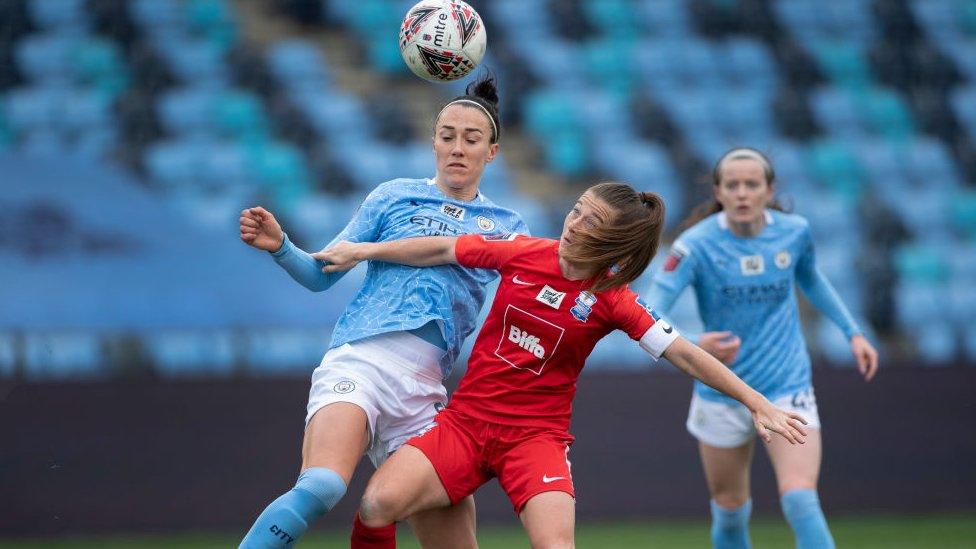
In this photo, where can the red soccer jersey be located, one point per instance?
(540, 329)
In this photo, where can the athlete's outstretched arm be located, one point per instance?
(261, 230)
(694, 361)
(424, 251)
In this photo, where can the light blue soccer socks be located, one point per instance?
(284, 521)
(802, 511)
(730, 527)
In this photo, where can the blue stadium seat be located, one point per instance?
(836, 111)
(664, 18)
(281, 350)
(964, 103)
(62, 355)
(8, 356)
(930, 164)
(338, 116)
(85, 110)
(188, 110)
(155, 14)
(34, 107)
(882, 163)
(298, 61)
(193, 61)
(746, 62)
(969, 341)
(556, 62)
(46, 57)
(192, 353)
(938, 345)
(58, 14)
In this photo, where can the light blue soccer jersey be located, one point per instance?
(745, 286)
(397, 297)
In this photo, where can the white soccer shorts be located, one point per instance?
(394, 377)
(730, 425)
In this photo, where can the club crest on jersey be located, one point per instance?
(485, 224)
(752, 265)
(782, 259)
(551, 297)
(450, 210)
(678, 252)
(344, 386)
(583, 306)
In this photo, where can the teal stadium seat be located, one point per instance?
(614, 18)
(921, 264)
(212, 20)
(962, 211)
(239, 115)
(843, 62)
(886, 113)
(607, 63)
(98, 63)
(833, 164)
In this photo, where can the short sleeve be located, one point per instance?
(643, 324)
(486, 251)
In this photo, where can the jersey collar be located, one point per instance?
(723, 220)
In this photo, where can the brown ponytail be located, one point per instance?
(620, 251)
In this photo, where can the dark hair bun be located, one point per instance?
(485, 88)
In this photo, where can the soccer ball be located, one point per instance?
(442, 40)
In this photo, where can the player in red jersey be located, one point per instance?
(510, 416)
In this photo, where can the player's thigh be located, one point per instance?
(335, 438)
(727, 472)
(797, 466)
(404, 485)
(451, 527)
(550, 519)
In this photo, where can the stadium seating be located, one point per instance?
(856, 102)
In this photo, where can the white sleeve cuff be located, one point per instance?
(658, 338)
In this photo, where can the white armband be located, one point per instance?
(658, 338)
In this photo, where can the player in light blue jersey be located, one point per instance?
(743, 257)
(381, 382)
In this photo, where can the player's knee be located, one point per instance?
(379, 508)
(790, 484)
(730, 500)
(325, 484)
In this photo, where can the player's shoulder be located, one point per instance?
(789, 222)
(402, 186)
(705, 229)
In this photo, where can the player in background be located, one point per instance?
(380, 383)
(510, 416)
(743, 256)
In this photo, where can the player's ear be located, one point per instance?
(492, 151)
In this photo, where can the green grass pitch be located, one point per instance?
(952, 531)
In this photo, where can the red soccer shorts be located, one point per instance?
(467, 452)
